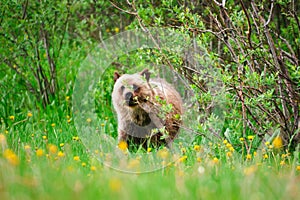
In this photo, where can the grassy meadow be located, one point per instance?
(42, 157)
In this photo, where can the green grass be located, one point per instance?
(42, 157)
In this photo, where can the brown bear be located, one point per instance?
(149, 110)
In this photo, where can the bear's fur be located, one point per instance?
(148, 110)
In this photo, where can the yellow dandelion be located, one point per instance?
(88, 120)
(76, 158)
(44, 137)
(266, 156)
(199, 159)
(215, 160)
(248, 156)
(298, 167)
(107, 30)
(183, 150)
(32, 135)
(282, 162)
(229, 154)
(242, 139)
(115, 184)
(197, 147)
(102, 124)
(62, 144)
(53, 124)
(76, 138)
(68, 120)
(254, 153)
(225, 141)
(117, 30)
(149, 149)
(123, 145)
(182, 159)
(11, 157)
(270, 146)
(52, 148)
(83, 164)
(277, 142)
(93, 168)
(250, 137)
(231, 149)
(29, 114)
(12, 117)
(267, 143)
(67, 98)
(60, 154)
(228, 145)
(39, 152)
(6, 132)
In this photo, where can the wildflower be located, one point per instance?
(266, 156)
(44, 137)
(228, 145)
(107, 30)
(298, 167)
(197, 148)
(117, 30)
(149, 149)
(210, 144)
(215, 160)
(102, 124)
(39, 152)
(282, 162)
(270, 146)
(115, 184)
(12, 118)
(11, 157)
(267, 143)
(53, 124)
(29, 114)
(248, 156)
(182, 159)
(68, 120)
(225, 141)
(83, 164)
(231, 149)
(254, 153)
(250, 137)
(88, 120)
(229, 154)
(242, 139)
(60, 154)
(76, 138)
(67, 98)
(76, 158)
(199, 159)
(93, 168)
(277, 142)
(62, 144)
(52, 148)
(123, 145)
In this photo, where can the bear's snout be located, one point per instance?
(129, 99)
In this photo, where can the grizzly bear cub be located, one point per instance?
(149, 110)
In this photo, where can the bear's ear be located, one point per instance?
(116, 76)
(146, 74)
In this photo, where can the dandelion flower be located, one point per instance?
(215, 160)
(93, 168)
(298, 167)
(11, 157)
(29, 114)
(149, 149)
(277, 142)
(62, 144)
(250, 137)
(27, 147)
(88, 120)
(123, 145)
(266, 156)
(231, 149)
(197, 147)
(229, 154)
(282, 162)
(182, 159)
(67, 98)
(76, 138)
(83, 164)
(60, 154)
(53, 124)
(225, 141)
(199, 159)
(39, 152)
(12, 117)
(117, 30)
(52, 148)
(248, 156)
(242, 139)
(44, 137)
(76, 158)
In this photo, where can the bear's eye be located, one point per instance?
(122, 88)
(135, 88)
